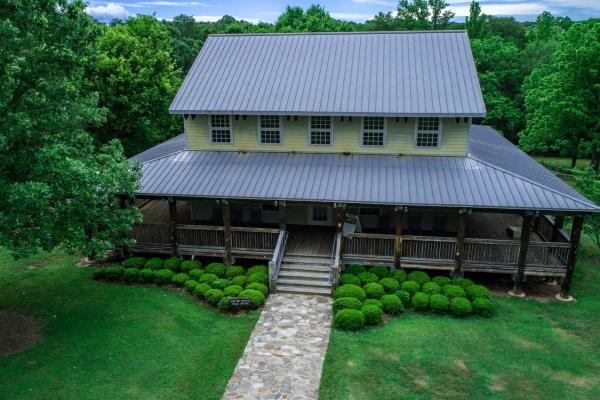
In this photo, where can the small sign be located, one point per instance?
(240, 304)
(351, 224)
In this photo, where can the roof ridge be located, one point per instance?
(337, 33)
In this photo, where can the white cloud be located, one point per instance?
(215, 18)
(378, 2)
(108, 12)
(352, 16)
(503, 9)
(588, 5)
(172, 3)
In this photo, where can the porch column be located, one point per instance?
(282, 220)
(523, 249)
(341, 215)
(558, 225)
(173, 223)
(460, 244)
(565, 287)
(226, 208)
(399, 214)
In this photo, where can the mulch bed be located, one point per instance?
(17, 332)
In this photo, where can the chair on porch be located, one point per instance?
(414, 225)
(439, 226)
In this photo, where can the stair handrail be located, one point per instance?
(275, 262)
(336, 260)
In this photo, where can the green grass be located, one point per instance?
(528, 350)
(556, 163)
(111, 341)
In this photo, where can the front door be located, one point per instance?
(319, 215)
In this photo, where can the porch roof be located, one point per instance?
(494, 174)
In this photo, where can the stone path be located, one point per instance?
(284, 356)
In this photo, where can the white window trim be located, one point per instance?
(260, 143)
(331, 119)
(210, 128)
(362, 134)
(439, 143)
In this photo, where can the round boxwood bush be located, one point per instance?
(154, 263)
(221, 283)
(114, 273)
(135, 262)
(216, 268)
(373, 302)
(190, 285)
(213, 296)
(418, 276)
(223, 304)
(483, 306)
(180, 279)
(452, 291)
(411, 287)
(374, 290)
(380, 271)
(147, 274)
(441, 280)
(346, 302)
(420, 301)
(399, 275)
(232, 290)
(208, 278)
(439, 303)
(196, 273)
(404, 297)
(367, 277)
(260, 269)
(189, 265)
(477, 291)
(462, 282)
(373, 314)
(131, 275)
(234, 270)
(240, 280)
(260, 287)
(258, 277)
(163, 276)
(461, 306)
(349, 279)
(349, 319)
(256, 297)
(392, 304)
(390, 285)
(350, 291)
(431, 288)
(355, 269)
(172, 263)
(201, 289)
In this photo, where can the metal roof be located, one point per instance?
(171, 146)
(473, 181)
(364, 73)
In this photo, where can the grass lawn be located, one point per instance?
(528, 350)
(111, 341)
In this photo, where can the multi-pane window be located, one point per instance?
(373, 133)
(320, 131)
(428, 132)
(220, 129)
(269, 131)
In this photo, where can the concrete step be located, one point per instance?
(303, 282)
(305, 267)
(306, 259)
(309, 275)
(320, 291)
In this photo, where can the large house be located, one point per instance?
(313, 151)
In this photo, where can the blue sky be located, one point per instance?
(352, 10)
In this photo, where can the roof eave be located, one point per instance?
(328, 113)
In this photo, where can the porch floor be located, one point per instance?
(493, 226)
(313, 241)
(157, 211)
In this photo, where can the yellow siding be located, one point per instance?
(346, 136)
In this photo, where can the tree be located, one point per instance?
(56, 186)
(440, 17)
(424, 14)
(314, 19)
(542, 40)
(508, 29)
(382, 22)
(476, 21)
(186, 40)
(588, 185)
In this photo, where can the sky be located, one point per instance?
(351, 10)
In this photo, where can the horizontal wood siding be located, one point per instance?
(346, 137)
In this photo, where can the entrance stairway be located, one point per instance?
(306, 274)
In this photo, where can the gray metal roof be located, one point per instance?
(472, 181)
(365, 73)
(171, 146)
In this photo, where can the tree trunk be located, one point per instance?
(595, 161)
(574, 160)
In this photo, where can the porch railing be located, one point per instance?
(254, 238)
(154, 234)
(200, 235)
(545, 228)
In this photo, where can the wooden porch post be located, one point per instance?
(341, 214)
(558, 225)
(565, 287)
(460, 244)
(173, 223)
(226, 208)
(399, 214)
(282, 219)
(523, 249)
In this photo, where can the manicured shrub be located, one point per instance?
(373, 314)
(223, 304)
(483, 306)
(346, 302)
(148, 274)
(420, 301)
(260, 287)
(190, 285)
(234, 270)
(201, 290)
(367, 277)
(462, 282)
(99, 273)
(208, 278)
(213, 296)
(439, 303)
(261, 269)
(355, 269)
(477, 291)
(163, 276)
(196, 273)
(349, 279)
(441, 280)
(216, 268)
(135, 262)
(399, 275)
(239, 280)
(232, 290)
(180, 279)
(190, 265)
(380, 271)
(131, 275)
(404, 297)
(154, 263)
(418, 276)
(373, 302)
(431, 288)
(461, 306)
(172, 263)
(256, 297)
(390, 285)
(349, 319)
(114, 273)
(221, 283)
(411, 287)
(258, 277)
(350, 291)
(392, 304)
(452, 291)
(374, 290)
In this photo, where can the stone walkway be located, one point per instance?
(284, 356)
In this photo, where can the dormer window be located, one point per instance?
(320, 132)
(269, 129)
(427, 132)
(220, 129)
(373, 131)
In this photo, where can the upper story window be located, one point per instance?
(220, 129)
(427, 133)
(269, 129)
(320, 131)
(373, 131)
